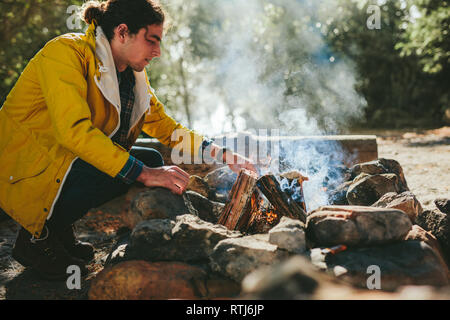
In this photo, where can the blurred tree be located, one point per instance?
(229, 65)
(26, 26)
(428, 34)
(187, 47)
(397, 90)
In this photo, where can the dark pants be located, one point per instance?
(86, 187)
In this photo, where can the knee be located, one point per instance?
(150, 157)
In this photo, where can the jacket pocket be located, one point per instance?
(20, 155)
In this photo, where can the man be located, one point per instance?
(68, 126)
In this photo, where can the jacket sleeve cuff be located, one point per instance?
(131, 171)
(205, 144)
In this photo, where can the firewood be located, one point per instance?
(283, 204)
(294, 175)
(238, 210)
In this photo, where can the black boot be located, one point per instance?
(76, 248)
(46, 255)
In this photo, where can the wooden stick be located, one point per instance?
(237, 212)
(283, 204)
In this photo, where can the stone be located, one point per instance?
(207, 210)
(418, 233)
(443, 205)
(160, 203)
(221, 287)
(406, 201)
(403, 263)
(235, 258)
(297, 279)
(197, 238)
(221, 181)
(338, 196)
(293, 279)
(356, 226)
(152, 240)
(381, 166)
(438, 224)
(188, 239)
(367, 190)
(289, 235)
(141, 280)
(197, 184)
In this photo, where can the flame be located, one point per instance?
(267, 214)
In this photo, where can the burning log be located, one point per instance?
(257, 205)
(263, 217)
(238, 210)
(283, 204)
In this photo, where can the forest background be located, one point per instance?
(308, 67)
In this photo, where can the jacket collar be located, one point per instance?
(106, 77)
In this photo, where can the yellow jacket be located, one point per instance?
(66, 105)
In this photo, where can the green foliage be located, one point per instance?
(26, 26)
(428, 35)
(299, 64)
(399, 93)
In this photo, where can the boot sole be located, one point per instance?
(28, 264)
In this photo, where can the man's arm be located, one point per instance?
(160, 126)
(61, 73)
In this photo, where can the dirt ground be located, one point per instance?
(424, 156)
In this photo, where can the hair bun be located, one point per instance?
(93, 10)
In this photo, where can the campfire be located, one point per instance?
(257, 204)
(264, 216)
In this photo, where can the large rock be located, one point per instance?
(293, 279)
(381, 166)
(443, 205)
(418, 233)
(406, 201)
(221, 181)
(160, 203)
(235, 258)
(297, 279)
(400, 264)
(197, 237)
(338, 196)
(141, 280)
(188, 239)
(438, 224)
(288, 234)
(197, 184)
(151, 240)
(353, 225)
(367, 189)
(207, 210)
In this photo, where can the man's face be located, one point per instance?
(141, 48)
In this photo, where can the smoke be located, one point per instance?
(283, 75)
(276, 71)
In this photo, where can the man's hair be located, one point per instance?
(136, 14)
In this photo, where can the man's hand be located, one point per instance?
(236, 162)
(170, 177)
